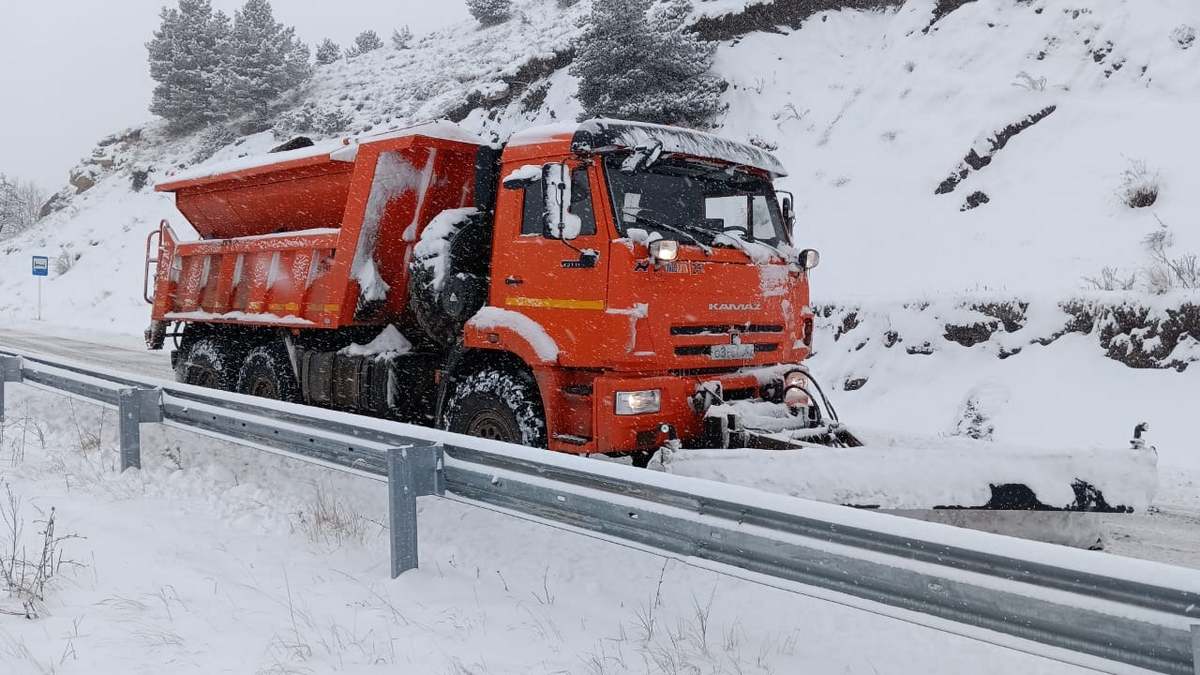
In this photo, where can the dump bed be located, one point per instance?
(314, 237)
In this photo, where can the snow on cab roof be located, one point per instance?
(599, 135)
(343, 150)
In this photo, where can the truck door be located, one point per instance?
(560, 285)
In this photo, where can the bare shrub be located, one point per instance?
(1163, 272)
(65, 260)
(17, 432)
(1184, 36)
(1139, 185)
(174, 456)
(87, 440)
(1112, 279)
(25, 578)
(1167, 273)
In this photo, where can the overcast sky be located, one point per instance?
(72, 71)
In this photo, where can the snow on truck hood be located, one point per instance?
(599, 135)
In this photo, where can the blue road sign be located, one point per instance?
(41, 266)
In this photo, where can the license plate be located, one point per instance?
(732, 352)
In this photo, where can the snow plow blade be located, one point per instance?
(928, 473)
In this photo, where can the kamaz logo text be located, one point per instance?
(720, 307)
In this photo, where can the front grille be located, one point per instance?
(702, 372)
(726, 329)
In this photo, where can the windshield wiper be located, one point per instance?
(678, 229)
(690, 227)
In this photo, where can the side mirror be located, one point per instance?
(789, 211)
(809, 259)
(559, 221)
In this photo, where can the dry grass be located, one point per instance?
(26, 577)
(329, 521)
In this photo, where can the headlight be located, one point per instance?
(795, 384)
(664, 250)
(639, 402)
(796, 378)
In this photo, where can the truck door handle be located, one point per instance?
(513, 281)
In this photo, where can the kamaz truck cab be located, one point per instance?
(659, 262)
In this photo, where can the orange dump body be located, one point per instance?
(313, 238)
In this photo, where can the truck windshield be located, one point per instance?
(696, 202)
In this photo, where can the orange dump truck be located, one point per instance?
(601, 287)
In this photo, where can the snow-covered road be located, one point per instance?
(118, 352)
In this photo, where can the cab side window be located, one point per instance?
(533, 220)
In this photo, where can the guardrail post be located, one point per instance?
(10, 371)
(135, 408)
(412, 472)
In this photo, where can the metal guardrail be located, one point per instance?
(1052, 596)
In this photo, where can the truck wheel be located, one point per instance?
(498, 405)
(267, 373)
(208, 362)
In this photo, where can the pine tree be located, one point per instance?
(367, 41)
(185, 60)
(490, 12)
(402, 38)
(328, 52)
(263, 59)
(639, 63)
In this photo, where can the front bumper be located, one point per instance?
(685, 406)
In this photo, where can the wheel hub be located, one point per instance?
(488, 424)
(264, 388)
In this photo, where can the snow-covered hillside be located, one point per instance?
(872, 111)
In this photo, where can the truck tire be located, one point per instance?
(267, 372)
(500, 405)
(208, 362)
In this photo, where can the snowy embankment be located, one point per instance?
(1042, 377)
(216, 558)
(873, 114)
